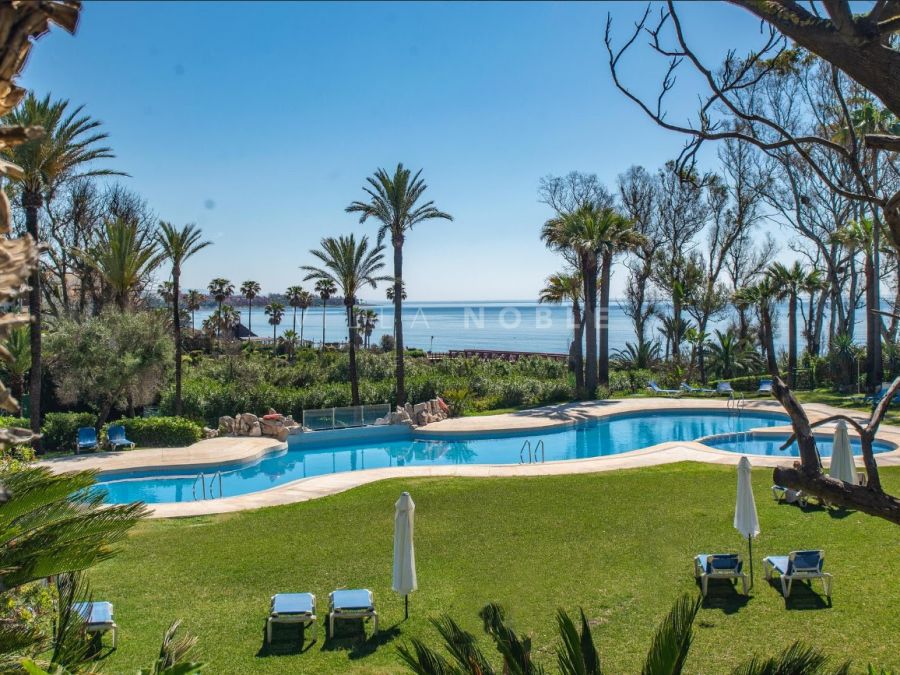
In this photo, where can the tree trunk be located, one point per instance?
(31, 202)
(576, 351)
(324, 306)
(606, 272)
(249, 317)
(769, 339)
(295, 319)
(176, 290)
(398, 319)
(589, 273)
(873, 338)
(351, 332)
(302, 321)
(792, 341)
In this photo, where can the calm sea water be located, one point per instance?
(441, 326)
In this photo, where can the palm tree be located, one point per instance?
(193, 301)
(618, 236)
(224, 317)
(18, 346)
(302, 300)
(220, 289)
(325, 288)
(70, 142)
(392, 201)
(178, 246)
(275, 312)
(592, 235)
(367, 320)
(289, 340)
(389, 292)
(788, 282)
(730, 356)
(165, 291)
(250, 289)
(567, 287)
(125, 257)
(761, 295)
(350, 266)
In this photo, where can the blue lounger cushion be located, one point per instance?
(359, 599)
(95, 612)
(806, 560)
(720, 562)
(293, 603)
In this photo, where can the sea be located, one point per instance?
(499, 325)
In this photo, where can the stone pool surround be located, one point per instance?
(243, 449)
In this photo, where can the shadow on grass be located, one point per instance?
(286, 639)
(350, 636)
(802, 596)
(723, 594)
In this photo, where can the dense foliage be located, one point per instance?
(251, 382)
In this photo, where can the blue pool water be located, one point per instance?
(609, 436)
(771, 445)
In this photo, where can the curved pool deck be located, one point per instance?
(231, 449)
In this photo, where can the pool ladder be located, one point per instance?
(532, 453)
(737, 404)
(201, 478)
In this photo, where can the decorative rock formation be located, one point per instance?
(419, 414)
(210, 433)
(271, 425)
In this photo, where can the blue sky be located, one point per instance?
(260, 121)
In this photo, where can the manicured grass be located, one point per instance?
(618, 544)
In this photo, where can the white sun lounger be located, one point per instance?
(292, 608)
(719, 566)
(98, 618)
(802, 565)
(351, 604)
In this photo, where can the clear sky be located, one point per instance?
(260, 122)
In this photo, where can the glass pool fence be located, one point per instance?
(343, 418)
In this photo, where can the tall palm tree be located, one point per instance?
(789, 282)
(618, 236)
(125, 257)
(762, 295)
(567, 287)
(71, 142)
(178, 246)
(389, 292)
(220, 289)
(366, 319)
(275, 312)
(224, 317)
(392, 200)
(591, 235)
(325, 288)
(301, 299)
(250, 289)
(165, 290)
(350, 266)
(193, 301)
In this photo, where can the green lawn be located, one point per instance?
(619, 544)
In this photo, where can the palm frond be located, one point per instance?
(672, 640)
(578, 655)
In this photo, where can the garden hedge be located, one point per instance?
(158, 432)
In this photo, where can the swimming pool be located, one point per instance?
(605, 436)
(759, 444)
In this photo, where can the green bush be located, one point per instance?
(746, 383)
(60, 429)
(159, 432)
(7, 422)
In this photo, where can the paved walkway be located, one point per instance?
(224, 450)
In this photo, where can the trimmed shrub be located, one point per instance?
(60, 429)
(7, 422)
(159, 432)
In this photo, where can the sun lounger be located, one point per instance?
(656, 389)
(798, 565)
(765, 387)
(98, 619)
(292, 608)
(86, 439)
(789, 496)
(351, 604)
(696, 390)
(116, 437)
(719, 566)
(724, 389)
